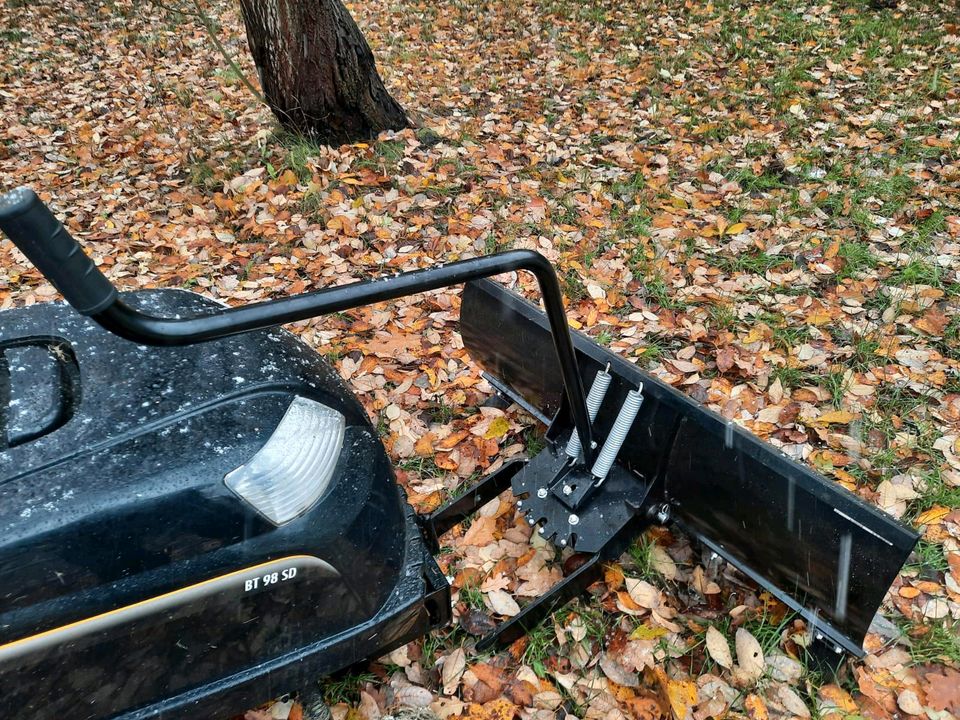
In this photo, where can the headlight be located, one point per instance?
(294, 468)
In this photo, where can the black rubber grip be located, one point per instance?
(47, 244)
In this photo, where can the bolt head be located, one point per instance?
(540, 530)
(542, 493)
(573, 519)
(567, 490)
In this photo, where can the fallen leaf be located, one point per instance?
(943, 690)
(617, 672)
(662, 562)
(749, 656)
(453, 666)
(643, 593)
(498, 428)
(908, 701)
(502, 603)
(719, 648)
(792, 702)
(755, 707)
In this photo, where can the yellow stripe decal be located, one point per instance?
(173, 598)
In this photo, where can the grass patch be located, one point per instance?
(346, 688)
(857, 258)
(757, 263)
(940, 643)
(929, 556)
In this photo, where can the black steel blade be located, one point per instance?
(811, 543)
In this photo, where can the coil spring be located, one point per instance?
(594, 400)
(618, 433)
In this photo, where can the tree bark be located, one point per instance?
(317, 71)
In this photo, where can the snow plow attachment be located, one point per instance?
(812, 544)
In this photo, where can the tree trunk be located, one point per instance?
(317, 71)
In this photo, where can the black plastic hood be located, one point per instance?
(120, 542)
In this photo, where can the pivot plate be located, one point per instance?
(542, 488)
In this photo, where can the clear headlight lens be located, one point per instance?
(294, 468)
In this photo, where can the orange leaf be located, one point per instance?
(755, 708)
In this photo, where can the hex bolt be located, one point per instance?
(567, 490)
(542, 493)
(573, 519)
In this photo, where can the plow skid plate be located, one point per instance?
(812, 544)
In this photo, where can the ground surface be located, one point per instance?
(758, 202)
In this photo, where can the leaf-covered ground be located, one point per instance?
(757, 201)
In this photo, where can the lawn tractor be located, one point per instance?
(196, 515)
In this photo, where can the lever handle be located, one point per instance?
(54, 252)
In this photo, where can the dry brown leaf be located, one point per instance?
(502, 603)
(943, 690)
(835, 703)
(643, 593)
(755, 707)
(617, 672)
(750, 662)
(719, 648)
(681, 694)
(792, 702)
(908, 701)
(661, 561)
(453, 666)
(369, 709)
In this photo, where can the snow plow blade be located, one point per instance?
(812, 544)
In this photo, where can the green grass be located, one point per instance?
(346, 688)
(541, 644)
(661, 293)
(753, 262)
(424, 467)
(918, 272)
(654, 349)
(790, 377)
(785, 335)
(936, 492)
(203, 175)
(940, 644)
(929, 556)
(473, 597)
(721, 317)
(642, 558)
(858, 259)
